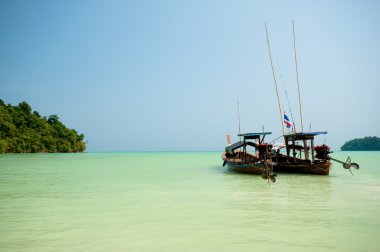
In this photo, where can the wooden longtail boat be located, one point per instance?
(258, 161)
(264, 161)
(293, 162)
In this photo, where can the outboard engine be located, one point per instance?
(323, 151)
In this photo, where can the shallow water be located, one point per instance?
(182, 201)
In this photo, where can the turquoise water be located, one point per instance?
(182, 202)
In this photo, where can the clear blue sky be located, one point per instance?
(166, 75)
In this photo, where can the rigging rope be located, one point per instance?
(287, 98)
(276, 139)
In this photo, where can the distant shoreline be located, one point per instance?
(362, 144)
(23, 130)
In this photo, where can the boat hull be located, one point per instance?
(315, 168)
(237, 165)
(246, 168)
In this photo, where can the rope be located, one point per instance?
(287, 98)
(276, 139)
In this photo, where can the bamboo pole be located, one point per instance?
(299, 92)
(298, 82)
(238, 112)
(274, 78)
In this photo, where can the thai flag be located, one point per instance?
(287, 121)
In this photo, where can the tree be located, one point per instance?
(24, 131)
(53, 119)
(25, 107)
(362, 144)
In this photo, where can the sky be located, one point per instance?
(167, 75)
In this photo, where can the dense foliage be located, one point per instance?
(362, 144)
(22, 130)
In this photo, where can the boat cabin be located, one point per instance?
(308, 144)
(255, 140)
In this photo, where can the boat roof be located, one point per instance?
(304, 135)
(230, 149)
(254, 135)
(315, 133)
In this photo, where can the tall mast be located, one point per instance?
(238, 112)
(275, 82)
(299, 100)
(298, 81)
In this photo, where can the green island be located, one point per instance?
(25, 131)
(362, 144)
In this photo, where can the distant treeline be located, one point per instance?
(362, 144)
(24, 131)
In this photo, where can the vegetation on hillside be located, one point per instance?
(362, 144)
(23, 131)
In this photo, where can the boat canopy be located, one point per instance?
(305, 135)
(254, 135)
(230, 149)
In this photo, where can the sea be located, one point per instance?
(183, 201)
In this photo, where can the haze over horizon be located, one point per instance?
(166, 75)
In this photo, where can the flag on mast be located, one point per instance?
(287, 121)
